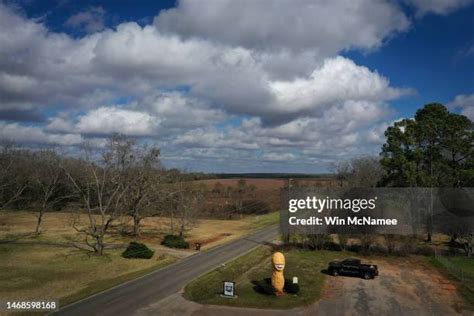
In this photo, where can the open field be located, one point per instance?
(406, 286)
(57, 226)
(224, 193)
(34, 272)
(264, 186)
(48, 266)
(18, 225)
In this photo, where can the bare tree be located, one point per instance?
(145, 189)
(218, 188)
(363, 171)
(342, 171)
(14, 178)
(48, 184)
(187, 200)
(101, 187)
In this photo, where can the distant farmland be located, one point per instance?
(265, 185)
(264, 192)
(273, 176)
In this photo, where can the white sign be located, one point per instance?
(229, 288)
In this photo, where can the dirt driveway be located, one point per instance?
(404, 287)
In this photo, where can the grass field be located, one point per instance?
(253, 268)
(43, 266)
(461, 269)
(33, 272)
(57, 229)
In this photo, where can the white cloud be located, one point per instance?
(107, 120)
(441, 7)
(60, 124)
(135, 61)
(178, 111)
(31, 135)
(212, 137)
(326, 27)
(91, 20)
(254, 82)
(337, 80)
(464, 102)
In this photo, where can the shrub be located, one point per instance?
(290, 287)
(175, 241)
(378, 249)
(424, 251)
(330, 245)
(137, 250)
(316, 242)
(354, 248)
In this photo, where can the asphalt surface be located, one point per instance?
(130, 296)
(405, 287)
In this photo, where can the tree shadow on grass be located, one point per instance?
(263, 286)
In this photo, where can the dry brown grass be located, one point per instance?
(57, 227)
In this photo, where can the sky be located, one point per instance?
(231, 86)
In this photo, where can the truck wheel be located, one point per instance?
(367, 276)
(335, 272)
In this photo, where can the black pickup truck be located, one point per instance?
(353, 267)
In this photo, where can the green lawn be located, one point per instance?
(261, 221)
(67, 274)
(460, 268)
(253, 268)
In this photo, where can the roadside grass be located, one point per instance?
(35, 266)
(460, 269)
(253, 268)
(41, 272)
(262, 221)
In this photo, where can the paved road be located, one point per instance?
(405, 287)
(128, 297)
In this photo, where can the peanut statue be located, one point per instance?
(278, 279)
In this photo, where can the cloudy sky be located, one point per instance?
(231, 86)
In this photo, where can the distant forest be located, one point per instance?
(272, 175)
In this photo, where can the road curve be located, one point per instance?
(124, 299)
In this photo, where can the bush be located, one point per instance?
(175, 241)
(290, 287)
(137, 250)
(424, 251)
(332, 246)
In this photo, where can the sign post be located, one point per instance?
(229, 289)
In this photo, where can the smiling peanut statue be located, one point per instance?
(278, 279)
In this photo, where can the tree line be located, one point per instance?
(124, 178)
(434, 149)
